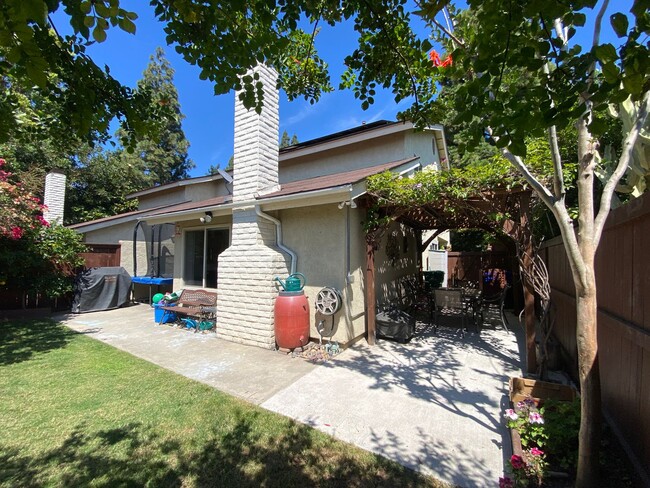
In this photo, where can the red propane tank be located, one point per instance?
(291, 319)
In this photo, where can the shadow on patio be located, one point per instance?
(434, 404)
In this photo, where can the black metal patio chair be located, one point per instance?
(492, 306)
(418, 299)
(451, 304)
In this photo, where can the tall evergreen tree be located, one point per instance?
(101, 180)
(162, 156)
(286, 141)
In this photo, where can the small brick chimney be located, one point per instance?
(54, 198)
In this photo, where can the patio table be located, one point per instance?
(472, 297)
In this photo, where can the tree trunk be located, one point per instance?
(589, 374)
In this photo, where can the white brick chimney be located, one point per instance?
(246, 290)
(256, 141)
(54, 198)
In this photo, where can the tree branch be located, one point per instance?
(49, 19)
(621, 167)
(543, 192)
(598, 24)
(558, 174)
(396, 49)
(560, 30)
(559, 210)
(448, 33)
(439, 25)
(505, 55)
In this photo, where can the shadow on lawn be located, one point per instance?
(137, 455)
(21, 340)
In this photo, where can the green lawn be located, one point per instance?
(76, 412)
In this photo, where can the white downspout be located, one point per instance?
(278, 234)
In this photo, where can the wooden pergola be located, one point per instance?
(497, 211)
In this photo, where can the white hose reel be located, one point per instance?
(328, 301)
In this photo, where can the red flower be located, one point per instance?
(437, 62)
(506, 482)
(16, 233)
(517, 462)
(435, 58)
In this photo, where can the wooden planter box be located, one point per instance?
(522, 388)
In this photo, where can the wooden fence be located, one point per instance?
(101, 255)
(464, 266)
(623, 281)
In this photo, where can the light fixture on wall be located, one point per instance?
(207, 218)
(351, 203)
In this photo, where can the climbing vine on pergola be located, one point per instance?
(489, 197)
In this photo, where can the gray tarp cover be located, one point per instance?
(101, 289)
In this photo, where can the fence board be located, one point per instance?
(644, 409)
(641, 275)
(623, 280)
(102, 255)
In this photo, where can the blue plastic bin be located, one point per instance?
(158, 314)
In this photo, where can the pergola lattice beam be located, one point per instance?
(467, 213)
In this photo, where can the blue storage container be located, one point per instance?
(158, 314)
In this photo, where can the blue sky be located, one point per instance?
(209, 119)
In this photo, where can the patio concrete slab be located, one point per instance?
(251, 373)
(434, 404)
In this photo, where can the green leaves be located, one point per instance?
(606, 53)
(619, 23)
(99, 34)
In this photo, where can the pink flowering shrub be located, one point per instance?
(529, 422)
(34, 256)
(526, 470)
(22, 211)
(529, 468)
(549, 436)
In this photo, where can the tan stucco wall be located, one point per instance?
(317, 234)
(392, 147)
(389, 273)
(206, 190)
(421, 143)
(121, 234)
(179, 194)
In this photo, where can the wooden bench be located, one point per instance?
(199, 304)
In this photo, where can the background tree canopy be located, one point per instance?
(100, 178)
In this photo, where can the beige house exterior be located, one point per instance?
(283, 211)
